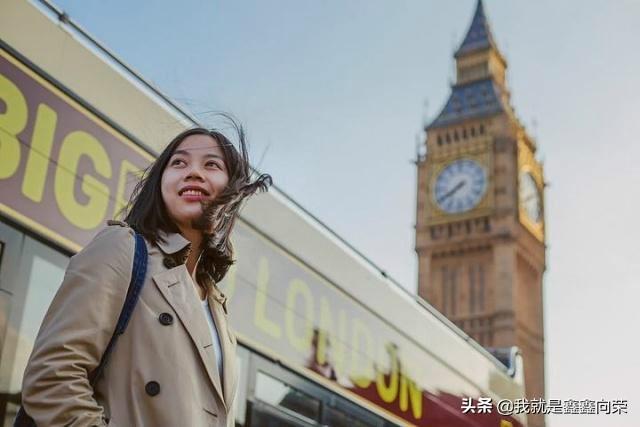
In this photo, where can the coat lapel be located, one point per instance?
(177, 288)
(227, 343)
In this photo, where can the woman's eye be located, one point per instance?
(176, 162)
(213, 164)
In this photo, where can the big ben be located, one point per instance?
(480, 229)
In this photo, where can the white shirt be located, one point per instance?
(217, 349)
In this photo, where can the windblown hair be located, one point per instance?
(147, 213)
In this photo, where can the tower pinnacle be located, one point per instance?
(480, 89)
(479, 35)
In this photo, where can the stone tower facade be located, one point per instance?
(480, 230)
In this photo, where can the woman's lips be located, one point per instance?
(193, 197)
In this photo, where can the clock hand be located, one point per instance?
(452, 191)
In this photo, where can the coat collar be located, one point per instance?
(170, 243)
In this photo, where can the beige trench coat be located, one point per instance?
(162, 371)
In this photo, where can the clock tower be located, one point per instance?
(480, 231)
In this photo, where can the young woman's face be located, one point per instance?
(196, 172)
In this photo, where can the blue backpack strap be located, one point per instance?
(133, 294)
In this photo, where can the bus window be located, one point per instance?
(337, 418)
(30, 274)
(264, 415)
(276, 393)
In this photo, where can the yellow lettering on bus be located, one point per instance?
(332, 340)
(325, 325)
(410, 393)
(294, 317)
(389, 392)
(76, 145)
(126, 169)
(35, 174)
(339, 345)
(12, 122)
(361, 364)
(260, 313)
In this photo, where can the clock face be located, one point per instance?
(530, 198)
(460, 186)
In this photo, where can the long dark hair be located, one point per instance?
(147, 213)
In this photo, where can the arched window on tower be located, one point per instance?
(472, 289)
(453, 288)
(445, 289)
(449, 290)
(476, 288)
(481, 289)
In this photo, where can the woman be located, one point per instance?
(175, 363)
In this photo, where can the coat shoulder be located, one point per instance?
(111, 222)
(112, 244)
(116, 232)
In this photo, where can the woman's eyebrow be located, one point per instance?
(186, 153)
(180, 152)
(214, 156)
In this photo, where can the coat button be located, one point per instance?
(152, 388)
(166, 319)
(169, 262)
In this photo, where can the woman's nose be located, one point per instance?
(194, 172)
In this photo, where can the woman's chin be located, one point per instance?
(187, 220)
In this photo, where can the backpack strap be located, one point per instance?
(133, 294)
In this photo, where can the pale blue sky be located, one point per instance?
(333, 95)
